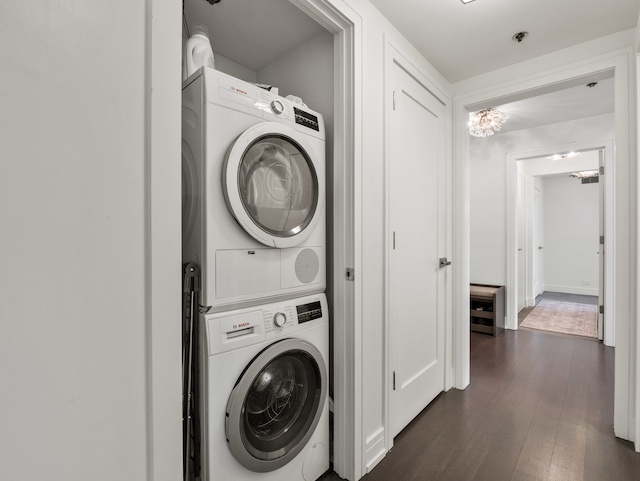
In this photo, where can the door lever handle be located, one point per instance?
(444, 262)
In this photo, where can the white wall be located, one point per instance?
(230, 67)
(76, 301)
(488, 190)
(571, 235)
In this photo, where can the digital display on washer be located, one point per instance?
(306, 119)
(309, 312)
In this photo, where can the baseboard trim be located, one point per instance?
(375, 450)
(584, 291)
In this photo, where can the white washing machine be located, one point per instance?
(264, 392)
(253, 170)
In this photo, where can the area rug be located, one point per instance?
(563, 317)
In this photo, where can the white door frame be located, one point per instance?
(346, 26)
(162, 214)
(622, 61)
(511, 286)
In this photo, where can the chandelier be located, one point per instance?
(486, 122)
(585, 174)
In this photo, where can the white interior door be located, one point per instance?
(538, 238)
(417, 235)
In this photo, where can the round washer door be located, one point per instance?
(276, 404)
(273, 185)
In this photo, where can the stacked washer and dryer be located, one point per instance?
(253, 169)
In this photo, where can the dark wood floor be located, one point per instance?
(539, 408)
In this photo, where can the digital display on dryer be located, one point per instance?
(306, 119)
(309, 312)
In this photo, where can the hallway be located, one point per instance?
(539, 408)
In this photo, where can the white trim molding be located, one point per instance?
(346, 26)
(163, 258)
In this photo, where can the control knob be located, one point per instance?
(280, 319)
(277, 107)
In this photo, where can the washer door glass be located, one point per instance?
(276, 405)
(278, 185)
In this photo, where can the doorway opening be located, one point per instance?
(623, 268)
(575, 266)
(559, 226)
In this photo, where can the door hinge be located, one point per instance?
(394, 380)
(350, 274)
(601, 240)
(394, 100)
(601, 309)
(602, 170)
(394, 240)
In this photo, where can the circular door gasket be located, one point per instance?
(275, 406)
(272, 185)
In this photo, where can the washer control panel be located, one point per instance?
(226, 331)
(284, 316)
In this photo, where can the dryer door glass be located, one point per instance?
(278, 185)
(281, 405)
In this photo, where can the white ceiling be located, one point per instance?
(459, 40)
(559, 106)
(462, 41)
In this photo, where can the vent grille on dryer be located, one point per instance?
(307, 266)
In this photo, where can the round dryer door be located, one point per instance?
(276, 404)
(272, 185)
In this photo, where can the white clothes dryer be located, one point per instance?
(253, 170)
(264, 392)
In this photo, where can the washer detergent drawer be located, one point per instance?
(246, 272)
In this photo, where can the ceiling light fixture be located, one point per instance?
(486, 122)
(568, 155)
(585, 174)
(592, 84)
(466, 1)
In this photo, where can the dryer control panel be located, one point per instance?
(307, 119)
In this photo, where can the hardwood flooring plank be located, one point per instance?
(537, 450)
(434, 460)
(568, 459)
(575, 407)
(628, 461)
(601, 456)
(505, 445)
(518, 476)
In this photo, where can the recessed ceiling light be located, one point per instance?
(467, 1)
